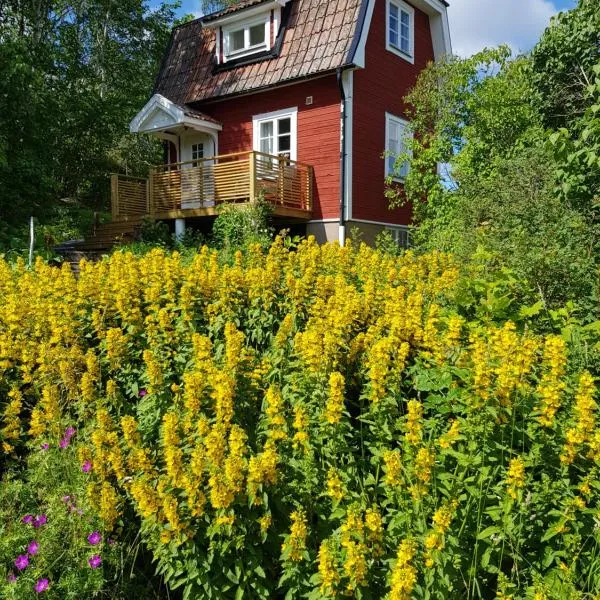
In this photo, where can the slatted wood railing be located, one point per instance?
(196, 188)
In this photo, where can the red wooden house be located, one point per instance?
(293, 100)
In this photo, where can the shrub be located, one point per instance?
(312, 423)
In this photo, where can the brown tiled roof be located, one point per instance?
(318, 38)
(196, 114)
(230, 9)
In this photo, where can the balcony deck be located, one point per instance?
(197, 188)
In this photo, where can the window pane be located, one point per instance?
(285, 143)
(285, 125)
(257, 35)
(266, 129)
(393, 25)
(266, 145)
(236, 40)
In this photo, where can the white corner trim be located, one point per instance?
(440, 28)
(348, 83)
(359, 54)
(285, 112)
(276, 24)
(401, 6)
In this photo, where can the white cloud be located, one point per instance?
(475, 24)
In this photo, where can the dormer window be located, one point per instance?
(247, 33)
(243, 39)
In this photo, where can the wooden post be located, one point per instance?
(114, 196)
(281, 159)
(309, 198)
(252, 176)
(150, 193)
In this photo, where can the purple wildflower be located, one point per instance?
(33, 548)
(86, 467)
(95, 561)
(64, 443)
(65, 499)
(41, 586)
(27, 519)
(70, 432)
(45, 446)
(94, 538)
(39, 521)
(12, 578)
(22, 562)
(143, 392)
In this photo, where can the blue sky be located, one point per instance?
(475, 24)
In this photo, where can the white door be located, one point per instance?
(197, 177)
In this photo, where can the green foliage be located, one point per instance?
(562, 64)
(239, 226)
(72, 76)
(52, 484)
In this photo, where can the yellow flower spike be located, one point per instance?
(393, 468)
(403, 577)
(515, 477)
(328, 569)
(294, 547)
(335, 401)
(414, 425)
(335, 487)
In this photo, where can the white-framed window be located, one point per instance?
(247, 37)
(396, 134)
(400, 235)
(197, 153)
(400, 29)
(276, 133)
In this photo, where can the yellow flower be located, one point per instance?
(414, 425)
(393, 468)
(404, 574)
(515, 477)
(335, 401)
(335, 486)
(328, 572)
(294, 546)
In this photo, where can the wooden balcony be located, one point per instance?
(197, 188)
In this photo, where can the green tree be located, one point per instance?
(562, 64)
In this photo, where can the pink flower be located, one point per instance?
(64, 443)
(95, 561)
(65, 499)
(39, 521)
(143, 392)
(27, 519)
(45, 446)
(94, 538)
(12, 578)
(41, 586)
(33, 548)
(86, 467)
(70, 432)
(22, 562)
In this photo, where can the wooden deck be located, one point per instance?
(197, 188)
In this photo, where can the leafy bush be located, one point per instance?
(316, 423)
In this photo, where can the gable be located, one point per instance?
(317, 39)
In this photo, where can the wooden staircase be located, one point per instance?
(103, 238)
(107, 235)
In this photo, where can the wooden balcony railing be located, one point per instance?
(197, 188)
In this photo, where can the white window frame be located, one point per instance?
(389, 119)
(402, 7)
(247, 50)
(275, 116)
(400, 235)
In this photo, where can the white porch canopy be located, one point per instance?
(166, 119)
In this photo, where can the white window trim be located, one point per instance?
(389, 118)
(286, 112)
(398, 232)
(246, 25)
(389, 46)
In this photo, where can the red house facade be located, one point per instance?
(299, 101)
